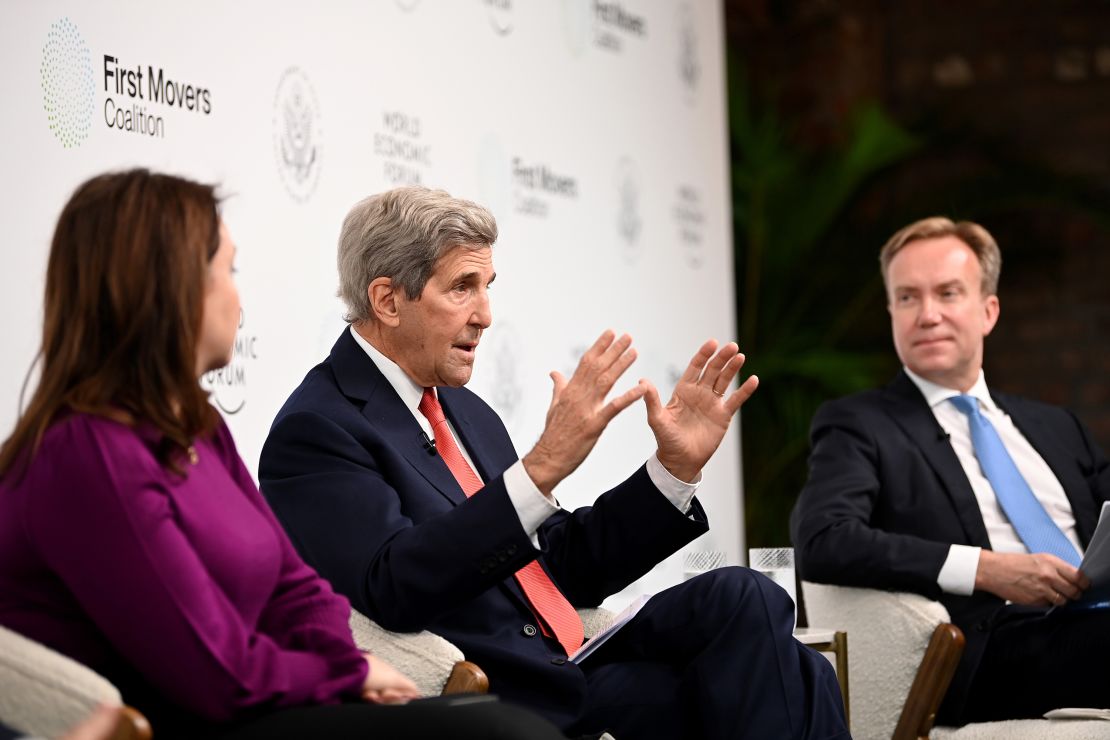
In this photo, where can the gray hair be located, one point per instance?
(978, 239)
(401, 234)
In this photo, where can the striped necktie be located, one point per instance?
(554, 613)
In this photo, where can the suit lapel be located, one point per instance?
(908, 409)
(472, 439)
(361, 380)
(1058, 459)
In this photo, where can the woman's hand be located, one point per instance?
(386, 685)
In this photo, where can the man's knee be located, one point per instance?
(734, 588)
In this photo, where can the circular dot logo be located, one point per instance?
(67, 83)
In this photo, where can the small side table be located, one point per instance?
(830, 641)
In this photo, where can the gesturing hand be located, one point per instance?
(385, 684)
(1036, 580)
(578, 413)
(690, 427)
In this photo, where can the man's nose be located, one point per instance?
(483, 315)
(929, 315)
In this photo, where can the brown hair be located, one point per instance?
(123, 307)
(972, 234)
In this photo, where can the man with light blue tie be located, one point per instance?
(937, 485)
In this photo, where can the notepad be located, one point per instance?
(1096, 563)
(1078, 713)
(592, 644)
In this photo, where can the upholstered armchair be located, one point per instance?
(903, 654)
(433, 663)
(43, 693)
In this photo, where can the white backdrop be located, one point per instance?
(594, 130)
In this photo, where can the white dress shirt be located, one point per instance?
(957, 575)
(532, 507)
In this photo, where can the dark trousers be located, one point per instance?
(461, 718)
(1034, 662)
(712, 658)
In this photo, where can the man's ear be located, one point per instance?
(383, 301)
(992, 308)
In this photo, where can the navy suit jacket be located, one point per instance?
(887, 496)
(349, 474)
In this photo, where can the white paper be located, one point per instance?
(1078, 713)
(1096, 561)
(600, 638)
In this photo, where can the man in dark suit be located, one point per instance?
(984, 501)
(403, 488)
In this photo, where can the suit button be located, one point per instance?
(529, 630)
(511, 549)
(488, 564)
(502, 557)
(558, 661)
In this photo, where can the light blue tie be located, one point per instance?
(1033, 524)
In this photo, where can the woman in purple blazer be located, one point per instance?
(133, 539)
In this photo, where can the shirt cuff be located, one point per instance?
(678, 492)
(532, 507)
(957, 575)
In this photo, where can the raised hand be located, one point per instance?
(385, 684)
(690, 427)
(1036, 580)
(579, 413)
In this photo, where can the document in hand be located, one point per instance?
(600, 638)
(1096, 562)
(1078, 713)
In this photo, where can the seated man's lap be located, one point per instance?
(1036, 662)
(680, 622)
(699, 647)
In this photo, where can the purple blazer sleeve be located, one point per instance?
(195, 587)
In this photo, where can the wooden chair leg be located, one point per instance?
(132, 725)
(840, 641)
(466, 678)
(930, 684)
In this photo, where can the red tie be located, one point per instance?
(554, 612)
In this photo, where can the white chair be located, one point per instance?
(433, 663)
(43, 693)
(904, 652)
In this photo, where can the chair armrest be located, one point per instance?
(43, 692)
(427, 659)
(930, 684)
(595, 620)
(132, 725)
(889, 632)
(433, 663)
(466, 678)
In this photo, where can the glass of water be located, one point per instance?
(777, 563)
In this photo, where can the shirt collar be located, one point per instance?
(938, 394)
(409, 391)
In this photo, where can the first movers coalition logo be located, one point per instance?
(137, 95)
(125, 105)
